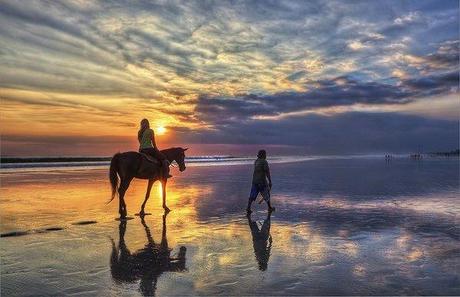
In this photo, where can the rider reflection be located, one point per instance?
(146, 264)
(261, 241)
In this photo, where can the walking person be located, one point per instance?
(259, 181)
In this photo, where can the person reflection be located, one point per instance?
(261, 241)
(146, 264)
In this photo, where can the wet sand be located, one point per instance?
(342, 227)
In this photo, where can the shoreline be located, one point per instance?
(92, 163)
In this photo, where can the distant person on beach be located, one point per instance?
(148, 146)
(259, 181)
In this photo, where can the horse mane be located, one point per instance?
(171, 149)
(171, 152)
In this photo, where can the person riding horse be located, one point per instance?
(126, 166)
(147, 145)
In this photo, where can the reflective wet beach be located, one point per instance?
(346, 226)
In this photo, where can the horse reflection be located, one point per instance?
(146, 264)
(261, 241)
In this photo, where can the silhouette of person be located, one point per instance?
(146, 264)
(261, 241)
(259, 181)
(148, 146)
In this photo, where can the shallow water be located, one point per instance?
(342, 227)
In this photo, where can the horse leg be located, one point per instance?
(124, 184)
(147, 195)
(120, 206)
(163, 187)
(120, 198)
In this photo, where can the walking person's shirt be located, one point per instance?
(259, 176)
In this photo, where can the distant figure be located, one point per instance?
(261, 241)
(148, 146)
(416, 156)
(259, 181)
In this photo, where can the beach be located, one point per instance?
(342, 226)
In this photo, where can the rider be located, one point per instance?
(147, 145)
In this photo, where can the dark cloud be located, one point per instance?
(433, 84)
(341, 91)
(446, 57)
(354, 132)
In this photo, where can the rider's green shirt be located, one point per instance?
(146, 139)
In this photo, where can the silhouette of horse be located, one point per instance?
(126, 166)
(146, 264)
(261, 241)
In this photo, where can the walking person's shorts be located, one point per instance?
(264, 190)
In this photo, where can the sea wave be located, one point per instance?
(35, 164)
(31, 163)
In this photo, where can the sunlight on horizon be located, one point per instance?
(160, 130)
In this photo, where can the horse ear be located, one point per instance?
(185, 149)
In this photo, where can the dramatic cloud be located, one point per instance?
(95, 68)
(334, 93)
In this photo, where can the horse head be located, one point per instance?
(176, 154)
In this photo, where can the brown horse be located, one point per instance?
(126, 166)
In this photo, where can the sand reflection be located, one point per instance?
(261, 241)
(146, 264)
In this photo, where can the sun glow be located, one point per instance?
(160, 130)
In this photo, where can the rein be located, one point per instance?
(168, 157)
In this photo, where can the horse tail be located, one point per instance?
(113, 175)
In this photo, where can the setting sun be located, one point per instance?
(160, 130)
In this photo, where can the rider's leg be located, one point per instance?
(164, 163)
(149, 151)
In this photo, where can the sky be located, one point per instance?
(229, 77)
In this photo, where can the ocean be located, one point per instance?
(343, 225)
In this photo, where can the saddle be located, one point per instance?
(151, 164)
(151, 159)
